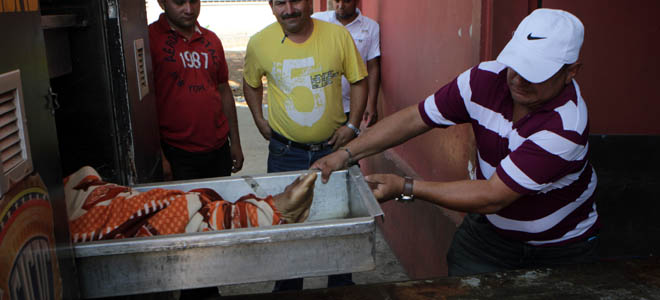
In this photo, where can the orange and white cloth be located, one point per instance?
(99, 210)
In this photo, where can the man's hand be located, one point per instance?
(330, 163)
(341, 136)
(370, 116)
(167, 168)
(294, 203)
(385, 186)
(236, 157)
(254, 97)
(229, 109)
(264, 128)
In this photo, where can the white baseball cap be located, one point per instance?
(544, 41)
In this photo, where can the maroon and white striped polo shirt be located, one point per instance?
(542, 156)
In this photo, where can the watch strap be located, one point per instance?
(352, 127)
(407, 194)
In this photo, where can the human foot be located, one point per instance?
(294, 203)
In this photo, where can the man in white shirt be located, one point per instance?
(366, 34)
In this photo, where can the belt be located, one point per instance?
(307, 147)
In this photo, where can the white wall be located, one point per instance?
(233, 22)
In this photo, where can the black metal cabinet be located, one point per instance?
(107, 115)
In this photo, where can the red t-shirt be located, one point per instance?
(187, 74)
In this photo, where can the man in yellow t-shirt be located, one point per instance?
(304, 60)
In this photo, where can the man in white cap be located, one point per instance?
(532, 203)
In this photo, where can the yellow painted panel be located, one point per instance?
(10, 5)
(32, 5)
(7, 6)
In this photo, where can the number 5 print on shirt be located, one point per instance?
(283, 73)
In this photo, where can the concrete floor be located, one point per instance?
(621, 279)
(255, 147)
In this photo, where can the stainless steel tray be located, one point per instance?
(338, 238)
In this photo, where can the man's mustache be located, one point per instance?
(293, 15)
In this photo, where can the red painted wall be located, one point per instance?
(619, 80)
(320, 5)
(424, 44)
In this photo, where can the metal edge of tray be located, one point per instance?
(116, 275)
(255, 235)
(365, 192)
(201, 182)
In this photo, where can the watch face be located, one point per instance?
(406, 198)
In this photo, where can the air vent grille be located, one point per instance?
(15, 157)
(143, 84)
(11, 151)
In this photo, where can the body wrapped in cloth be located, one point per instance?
(99, 210)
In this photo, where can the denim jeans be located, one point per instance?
(477, 248)
(282, 158)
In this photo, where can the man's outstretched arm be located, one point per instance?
(389, 132)
(472, 196)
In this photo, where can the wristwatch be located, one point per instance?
(352, 127)
(407, 195)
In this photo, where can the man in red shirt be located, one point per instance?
(196, 112)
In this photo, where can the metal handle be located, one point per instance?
(51, 101)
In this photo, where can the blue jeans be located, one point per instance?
(282, 158)
(477, 248)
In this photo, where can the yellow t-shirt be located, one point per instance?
(304, 80)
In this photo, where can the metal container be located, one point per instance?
(337, 238)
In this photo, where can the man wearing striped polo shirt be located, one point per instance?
(532, 204)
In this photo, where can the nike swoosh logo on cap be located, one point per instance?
(531, 37)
